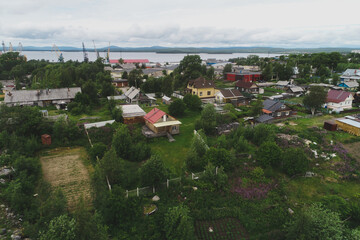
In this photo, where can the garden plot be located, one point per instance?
(353, 149)
(226, 228)
(64, 168)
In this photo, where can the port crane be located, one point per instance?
(97, 53)
(58, 53)
(19, 48)
(4, 48)
(86, 58)
(108, 54)
(10, 47)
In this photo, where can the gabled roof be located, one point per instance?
(349, 84)
(41, 95)
(296, 89)
(247, 85)
(132, 92)
(154, 115)
(202, 83)
(166, 98)
(337, 96)
(264, 118)
(231, 93)
(351, 72)
(271, 105)
(282, 83)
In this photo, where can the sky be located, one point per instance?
(182, 23)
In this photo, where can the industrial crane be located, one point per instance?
(19, 48)
(86, 58)
(3, 45)
(58, 53)
(108, 54)
(10, 47)
(97, 53)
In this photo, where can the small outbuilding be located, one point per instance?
(133, 114)
(166, 100)
(330, 125)
(46, 139)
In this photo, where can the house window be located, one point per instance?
(279, 114)
(173, 128)
(208, 93)
(283, 106)
(287, 113)
(200, 93)
(194, 93)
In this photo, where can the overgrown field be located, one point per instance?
(226, 228)
(64, 168)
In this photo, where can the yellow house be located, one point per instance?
(202, 88)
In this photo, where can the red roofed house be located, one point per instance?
(160, 123)
(114, 61)
(338, 100)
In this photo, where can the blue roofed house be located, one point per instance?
(350, 79)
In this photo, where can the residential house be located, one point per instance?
(274, 110)
(248, 87)
(159, 123)
(295, 90)
(338, 100)
(120, 83)
(132, 113)
(228, 95)
(59, 97)
(202, 88)
(351, 85)
(350, 75)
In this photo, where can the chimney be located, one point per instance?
(164, 118)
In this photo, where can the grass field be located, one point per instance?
(64, 168)
(174, 153)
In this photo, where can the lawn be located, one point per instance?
(296, 99)
(269, 91)
(68, 169)
(174, 153)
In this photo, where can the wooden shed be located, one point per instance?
(46, 139)
(330, 125)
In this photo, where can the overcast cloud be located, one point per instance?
(182, 23)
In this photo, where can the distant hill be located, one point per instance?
(217, 50)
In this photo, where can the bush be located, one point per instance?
(294, 161)
(269, 153)
(177, 108)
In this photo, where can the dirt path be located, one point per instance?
(64, 168)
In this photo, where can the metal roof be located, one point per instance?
(98, 124)
(349, 122)
(17, 96)
(154, 115)
(264, 118)
(168, 123)
(133, 110)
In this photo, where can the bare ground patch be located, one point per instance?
(354, 150)
(64, 168)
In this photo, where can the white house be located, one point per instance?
(338, 100)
